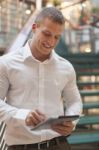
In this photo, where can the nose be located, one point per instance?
(51, 41)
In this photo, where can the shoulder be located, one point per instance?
(66, 68)
(64, 63)
(9, 57)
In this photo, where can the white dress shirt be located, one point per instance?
(28, 84)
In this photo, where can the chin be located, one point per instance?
(46, 52)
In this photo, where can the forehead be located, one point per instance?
(48, 24)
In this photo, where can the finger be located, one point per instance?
(63, 127)
(31, 119)
(68, 124)
(62, 131)
(38, 117)
(34, 118)
(40, 113)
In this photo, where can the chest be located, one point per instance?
(34, 75)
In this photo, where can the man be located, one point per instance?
(35, 82)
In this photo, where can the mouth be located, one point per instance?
(47, 46)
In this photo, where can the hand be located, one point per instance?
(64, 128)
(34, 118)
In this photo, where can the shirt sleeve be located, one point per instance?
(71, 96)
(8, 112)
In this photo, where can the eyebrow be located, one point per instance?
(46, 31)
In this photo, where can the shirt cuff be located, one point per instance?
(20, 116)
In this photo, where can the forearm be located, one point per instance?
(8, 112)
(74, 105)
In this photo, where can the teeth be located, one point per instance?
(47, 46)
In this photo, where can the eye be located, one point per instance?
(46, 34)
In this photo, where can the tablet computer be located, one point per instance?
(59, 120)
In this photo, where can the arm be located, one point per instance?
(6, 111)
(73, 104)
(71, 96)
(10, 113)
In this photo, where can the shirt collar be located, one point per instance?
(28, 55)
(26, 51)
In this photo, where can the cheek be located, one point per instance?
(37, 38)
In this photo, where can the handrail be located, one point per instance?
(23, 35)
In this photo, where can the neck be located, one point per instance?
(40, 57)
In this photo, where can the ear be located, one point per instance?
(34, 27)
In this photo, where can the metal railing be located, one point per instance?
(3, 146)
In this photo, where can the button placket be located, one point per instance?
(41, 102)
